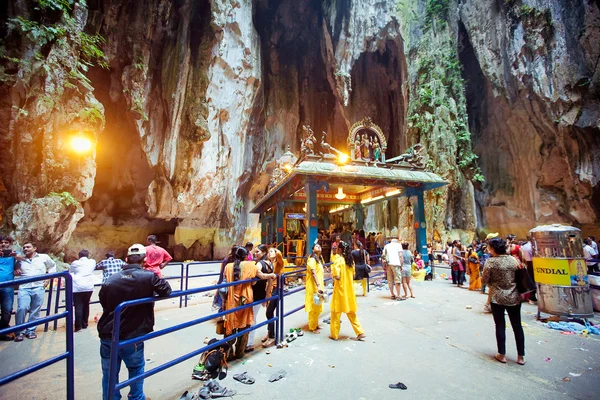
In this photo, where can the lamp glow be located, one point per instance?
(81, 144)
(370, 200)
(340, 194)
(343, 158)
(287, 167)
(392, 193)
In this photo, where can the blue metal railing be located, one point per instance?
(59, 289)
(67, 314)
(117, 344)
(188, 276)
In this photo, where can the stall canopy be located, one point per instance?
(325, 175)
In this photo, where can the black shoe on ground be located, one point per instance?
(31, 335)
(19, 338)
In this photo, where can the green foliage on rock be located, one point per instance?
(65, 197)
(92, 116)
(436, 12)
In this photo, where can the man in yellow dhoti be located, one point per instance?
(314, 285)
(344, 299)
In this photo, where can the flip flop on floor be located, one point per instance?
(277, 376)
(244, 378)
(398, 385)
(223, 393)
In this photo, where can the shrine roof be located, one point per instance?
(353, 174)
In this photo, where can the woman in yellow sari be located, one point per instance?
(240, 295)
(314, 285)
(344, 299)
(473, 269)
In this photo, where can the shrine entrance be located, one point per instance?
(324, 181)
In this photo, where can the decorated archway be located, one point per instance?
(366, 142)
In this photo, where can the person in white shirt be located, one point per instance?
(31, 295)
(393, 265)
(594, 245)
(83, 286)
(588, 254)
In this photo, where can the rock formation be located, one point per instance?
(189, 103)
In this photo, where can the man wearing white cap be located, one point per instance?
(132, 282)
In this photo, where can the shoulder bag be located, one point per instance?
(524, 282)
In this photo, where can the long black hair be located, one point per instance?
(347, 253)
(263, 249)
(239, 254)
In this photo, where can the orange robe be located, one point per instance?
(243, 318)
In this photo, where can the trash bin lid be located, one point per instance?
(554, 228)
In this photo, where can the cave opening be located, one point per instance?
(475, 89)
(294, 70)
(377, 79)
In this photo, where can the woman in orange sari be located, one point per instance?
(473, 269)
(239, 295)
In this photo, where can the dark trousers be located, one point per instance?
(454, 277)
(514, 314)
(532, 296)
(270, 314)
(82, 309)
(7, 297)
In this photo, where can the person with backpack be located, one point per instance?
(260, 288)
(361, 265)
(240, 295)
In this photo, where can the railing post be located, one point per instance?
(187, 281)
(57, 303)
(277, 311)
(49, 303)
(114, 349)
(181, 284)
(70, 345)
(281, 309)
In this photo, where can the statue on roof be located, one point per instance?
(326, 149)
(307, 144)
(412, 157)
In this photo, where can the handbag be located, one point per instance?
(220, 327)
(367, 266)
(524, 282)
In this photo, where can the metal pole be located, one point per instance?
(114, 349)
(187, 283)
(49, 303)
(181, 285)
(70, 346)
(57, 303)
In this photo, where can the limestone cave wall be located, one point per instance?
(189, 102)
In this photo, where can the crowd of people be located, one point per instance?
(490, 264)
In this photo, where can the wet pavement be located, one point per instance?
(435, 344)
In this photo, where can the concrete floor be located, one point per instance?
(433, 344)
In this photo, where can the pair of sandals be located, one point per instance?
(211, 390)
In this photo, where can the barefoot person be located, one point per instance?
(499, 275)
(344, 299)
(407, 261)
(314, 285)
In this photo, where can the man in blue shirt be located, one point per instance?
(8, 268)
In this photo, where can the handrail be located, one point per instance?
(68, 315)
(116, 343)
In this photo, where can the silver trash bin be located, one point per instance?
(560, 271)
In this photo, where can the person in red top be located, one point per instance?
(156, 257)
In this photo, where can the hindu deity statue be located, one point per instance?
(376, 151)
